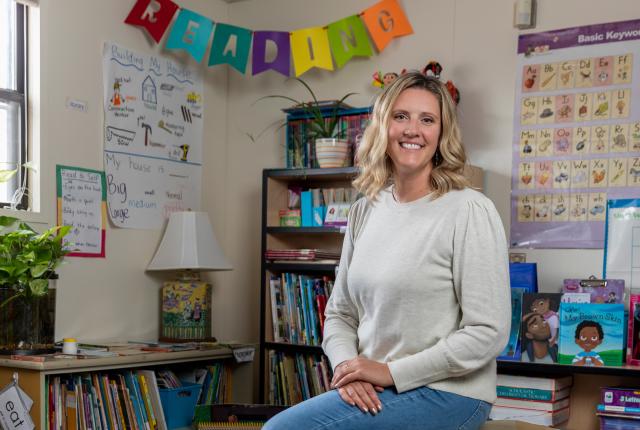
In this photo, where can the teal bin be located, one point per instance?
(179, 404)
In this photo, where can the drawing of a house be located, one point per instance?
(149, 90)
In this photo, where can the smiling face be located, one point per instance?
(540, 306)
(414, 132)
(589, 338)
(538, 328)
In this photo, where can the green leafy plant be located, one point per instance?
(7, 174)
(322, 124)
(28, 259)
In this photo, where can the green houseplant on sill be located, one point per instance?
(330, 146)
(27, 303)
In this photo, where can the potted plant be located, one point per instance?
(27, 303)
(331, 147)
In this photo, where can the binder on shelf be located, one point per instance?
(306, 209)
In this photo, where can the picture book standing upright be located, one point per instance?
(633, 334)
(539, 328)
(591, 334)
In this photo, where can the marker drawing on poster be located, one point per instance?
(152, 137)
(81, 205)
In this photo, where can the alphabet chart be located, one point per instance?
(576, 139)
(152, 137)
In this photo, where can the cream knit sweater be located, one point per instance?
(424, 287)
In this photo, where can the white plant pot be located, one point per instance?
(332, 152)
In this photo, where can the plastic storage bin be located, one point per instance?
(179, 404)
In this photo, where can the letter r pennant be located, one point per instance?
(153, 15)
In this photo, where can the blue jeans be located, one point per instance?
(422, 408)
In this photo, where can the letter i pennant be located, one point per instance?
(153, 15)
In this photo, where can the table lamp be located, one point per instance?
(188, 246)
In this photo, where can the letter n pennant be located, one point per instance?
(386, 20)
(153, 15)
(190, 32)
(348, 37)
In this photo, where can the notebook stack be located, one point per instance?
(619, 408)
(543, 401)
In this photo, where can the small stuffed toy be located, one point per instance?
(433, 68)
(380, 80)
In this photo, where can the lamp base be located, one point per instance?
(186, 311)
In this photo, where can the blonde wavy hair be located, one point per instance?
(376, 168)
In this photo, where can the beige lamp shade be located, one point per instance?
(189, 244)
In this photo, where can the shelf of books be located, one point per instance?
(301, 243)
(141, 389)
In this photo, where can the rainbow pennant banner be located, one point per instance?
(324, 47)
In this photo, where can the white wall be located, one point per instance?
(114, 298)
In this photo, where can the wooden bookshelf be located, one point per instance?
(276, 183)
(32, 376)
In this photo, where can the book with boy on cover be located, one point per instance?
(540, 327)
(591, 334)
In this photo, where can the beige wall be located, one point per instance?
(474, 40)
(113, 298)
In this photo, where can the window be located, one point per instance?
(13, 102)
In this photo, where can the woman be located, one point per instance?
(421, 304)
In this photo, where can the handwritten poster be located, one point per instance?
(152, 137)
(82, 205)
(576, 139)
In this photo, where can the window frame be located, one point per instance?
(20, 97)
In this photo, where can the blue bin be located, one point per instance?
(179, 404)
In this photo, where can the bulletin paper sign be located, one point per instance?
(152, 137)
(82, 206)
(622, 251)
(576, 139)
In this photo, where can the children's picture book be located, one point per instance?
(512, 350)
(620, 396)
(592, 334)
(633, 334)
(600, 290)
(539, 327)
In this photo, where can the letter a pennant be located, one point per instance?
(153, 15)
(385, 21)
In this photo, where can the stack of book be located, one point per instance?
(305, 255)
(619, 408)
(535, 400)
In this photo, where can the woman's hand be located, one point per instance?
(362, 369)
(363, 395)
